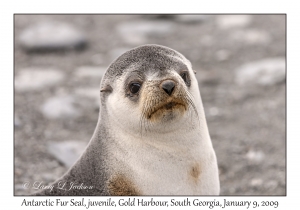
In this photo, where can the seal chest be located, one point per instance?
(163, 167)
(195, 172)
(151, 137)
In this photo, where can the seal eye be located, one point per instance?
(134, 87)
(186, 78)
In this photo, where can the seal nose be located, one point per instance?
(168, 86)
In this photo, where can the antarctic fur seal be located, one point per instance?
(151, 137)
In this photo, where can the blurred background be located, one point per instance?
(240, 64)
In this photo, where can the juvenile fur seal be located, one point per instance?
(151, 137)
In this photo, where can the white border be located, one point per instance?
(8, 8)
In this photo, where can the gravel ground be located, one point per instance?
(56, 89)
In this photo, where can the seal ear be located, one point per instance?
(107, 88)
(195, 72)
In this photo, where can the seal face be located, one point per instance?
(153, 84)
(151, 137)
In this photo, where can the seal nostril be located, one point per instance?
(168, 86)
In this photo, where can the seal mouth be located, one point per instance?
(168, 106)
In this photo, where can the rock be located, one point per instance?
(213, 111)
(251, 36)
(233, 21)
(256, 182)
(89, 92)
(114, 54)
(60, 107)
(52, 36)
(90, 71)
(192, 18)
(255, 157)
(18, 171)
(20, 187)
(17, 121)
(48, 177)
(159, 16)
(97, 59)
(66, 152)
(264, 72)
(271, 184)
(145, 27)
(222, 55)
(206, 40)
(137, 32)
(208, 78)
(37, 78)
(134, 39)
(92, 93)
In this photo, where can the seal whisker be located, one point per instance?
(143, 120)
(190, 100)
(141, 126)
(147, 110)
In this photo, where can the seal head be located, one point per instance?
(148, 87)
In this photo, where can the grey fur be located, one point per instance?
(93, 168)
